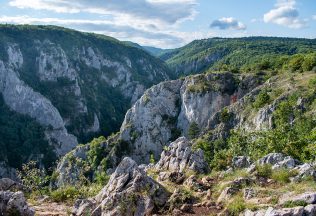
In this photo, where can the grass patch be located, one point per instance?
(291, 204)
(264, 170)
(236, 206)
(283, 175)
(69, 194)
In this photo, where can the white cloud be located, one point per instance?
(139, 20)
(170, 12)
(314, 17)
(159, 38)
(228, 23)
(285, 13)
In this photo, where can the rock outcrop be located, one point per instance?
(168, 110)
(14, 203)
(7, 184)
(129, 192)
(180, 157)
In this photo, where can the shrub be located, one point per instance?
(262, 99)
(312, 83)
(225, 115)
(264, 170)
(101, 178)
(283, 175)
(194, 130)
(96, 152)
(67, 193)
(222, 159)
(152, 158)
(32, 177)
(237, 206)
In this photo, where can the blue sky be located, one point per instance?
(169, 23)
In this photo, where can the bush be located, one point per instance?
(264, 170)
(237, 206)
(96, 152)
(262, 99)
(222, 159)
(194, 130)
(68, 193)
(32, 177)
(152, 159)
(225, 115)
(283, 175)
(101, 178)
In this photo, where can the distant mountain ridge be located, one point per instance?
(234, 53)
(150, 49)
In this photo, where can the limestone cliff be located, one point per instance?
(74, 85)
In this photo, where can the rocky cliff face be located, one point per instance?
(164, 113)
(167, 110)
(74, 86)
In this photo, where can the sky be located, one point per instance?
(169, 23)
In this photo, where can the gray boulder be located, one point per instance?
(278, 160)
(309, 210)
(308, 197)
(241, 162)
(304, 171)
(7, 184)
(129, 192)
(179, 157)
(14, 203)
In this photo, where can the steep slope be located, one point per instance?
(224, 113)
(66, 85)
(165, 112)
(246, 54)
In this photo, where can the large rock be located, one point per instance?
(241, 162)
(180, 157)
(7, 184)
(129, 192)
(305, 170)
(278, 160)
(308, 197)
(14, 203)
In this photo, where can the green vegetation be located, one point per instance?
(292, 204)
(264, 170)
(225, 115)
(32, 177)
(20, 137)
(262, 99)
(237, 206)
(96, 152)
(283, 175)
(152, 159)
(194, 130)
(249, 54)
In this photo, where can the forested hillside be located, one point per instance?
(242, 54)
